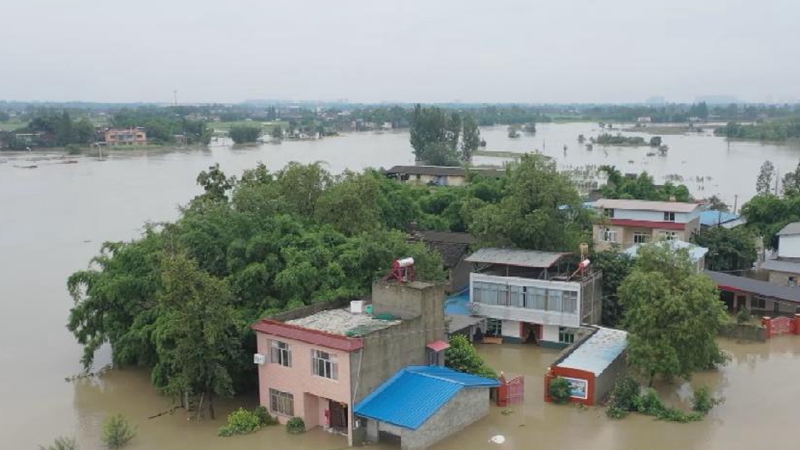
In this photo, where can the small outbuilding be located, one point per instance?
(592, 366)
(421, 405)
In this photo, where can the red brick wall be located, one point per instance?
(571, 373)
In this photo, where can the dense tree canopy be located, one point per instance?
(672, 314)
(641, 187)
(435, 136)
(615, 266)
(729, 249)
(245, 133)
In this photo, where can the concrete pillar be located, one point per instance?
(796, 324)
(767, 322)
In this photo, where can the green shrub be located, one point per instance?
(650, 403)
(703, 402)
(61, 443)
(615, 412)
(73, 149)
(241, 421)
(117, 431)
(295, 425)
(560, 390)
(264, 417)
(625, 395)
(743, 316)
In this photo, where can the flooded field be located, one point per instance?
(54, 218)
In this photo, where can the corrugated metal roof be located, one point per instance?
(415, 393)
(762, 288)
(514, 257)
(781, 266)
(695, 251)
(645, 205)
(598, 351)
(458, 323)
(714, 218)
(792, 228)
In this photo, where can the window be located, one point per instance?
(640, 237)
(669, 217)
(609, 235)
(516, 296)
(281, 403)
(608, 213)
(280, 353)
(570, 302)
(668, 235)
(565, 335)
(494, 327)
(792, 281)
(324, 364)
(490, 293)
(758, 303)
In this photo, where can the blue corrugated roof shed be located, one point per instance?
(713, 218)
(597, 352)
(415, 393)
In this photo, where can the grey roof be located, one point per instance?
(445, 171)
(598, 352)
(514, 257)
(792, 228)
(458, 323)
(781, 266)
(762, 288)
(450, 245)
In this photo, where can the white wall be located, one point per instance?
(789, 246)
(511, 328)
(653, 216)
(550, 333)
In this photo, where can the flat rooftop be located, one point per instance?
(342, 322)
(598, 352)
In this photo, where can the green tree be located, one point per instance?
(767, 214)
(655, 141)
(791, 183)
(615, 266)
(471, 139)
(277, 132)
(462, 356)
(672, 315)
(196, 333)
(244, 133)
(350, 204)
(117, 432)
(764, 180)
(541, 210)
(61, 443)
(729, 249)
(215, 183)
(716, 204)
(435, 135)
(440, 154)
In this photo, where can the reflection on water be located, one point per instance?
(53, 219)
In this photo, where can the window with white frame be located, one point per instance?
(641, 237)
(494, 327)
(609, 235)
(281, 403)
(280, 353)
(669, 217)
(324, 364)
(668, 235)
(566, 335)
(608, 213)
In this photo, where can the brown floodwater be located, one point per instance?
(54, 218)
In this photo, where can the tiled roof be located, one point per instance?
(781, 266)
(513, 257)
(645, 205)
(416, 393)
(792, 228)
(762, 288)
(597, 352)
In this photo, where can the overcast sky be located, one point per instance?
(400, 50)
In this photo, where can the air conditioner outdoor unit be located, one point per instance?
(259, 359)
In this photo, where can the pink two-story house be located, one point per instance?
(317, 362)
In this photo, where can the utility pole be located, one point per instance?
(735, 201)
(175, 96)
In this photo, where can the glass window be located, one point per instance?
(668, 235)
(570, 302)
(669, 217)
(608, 213)
(609, 235)
(280, 353)
(565, 335)
(324, 364)
(537, 298)
(516, 296)
(554, 299)
(758, 303)
(494, 327)
(640, 237)
(281, 402)
(792, 281)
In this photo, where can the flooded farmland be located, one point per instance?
(54, 218)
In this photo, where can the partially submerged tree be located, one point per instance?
(672, 315)
(471, 138)
(729, 249)
(462, 356)
(615, 266)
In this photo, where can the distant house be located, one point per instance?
(759, 297)
(592, 366)
(453, 248)
(696, 253)
(422, 405)
(531, 296)
(439, 175)
(784, 269)
(625, 223)
(643, 119)
(711, 219)
(126, 136)
(317, 362)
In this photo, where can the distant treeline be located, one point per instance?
(775, 130)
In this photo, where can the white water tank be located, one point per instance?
(357, 306)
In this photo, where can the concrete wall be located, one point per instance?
(789, 246)
(511, 331)
(604, 383)
(782, 278)
(465, 408)
(744, 332)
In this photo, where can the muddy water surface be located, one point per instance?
(54, 218)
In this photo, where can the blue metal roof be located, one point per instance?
(713, 218)
(415, 393)
(457, 305)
